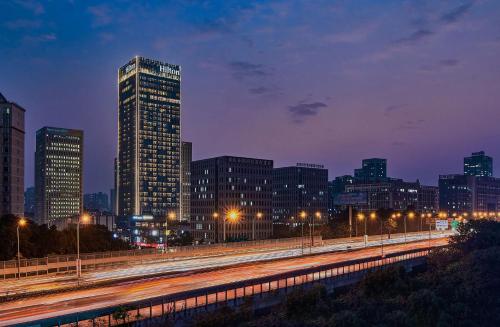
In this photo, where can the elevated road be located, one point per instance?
(40, 307)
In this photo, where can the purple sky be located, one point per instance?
(328, 82)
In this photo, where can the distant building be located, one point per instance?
(149, 143)
(374, 169)
(97, 217)
(113, 205)
(96, 201)
(397, 194)
(231, 184)
(299, 188)
(29, 202)
(478, 164)
(464, 193)
(335, 187)
(186, 158)
(58, 174)
(11, 158)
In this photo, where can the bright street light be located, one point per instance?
(21, 223)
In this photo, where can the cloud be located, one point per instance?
(417, 36)
(456, 13)
(440, 65)
(352, 36)
(411, 124)
(49, 37)
(245, 69)
(22, 24)
(34, 6)
(101, 15)
(259, 90)
(394, 108)
(303, 110)
(448, 62)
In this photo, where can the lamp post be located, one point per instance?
(216, 215)
(410, 215)
(362, 217)
(233, 215)
(171, 215)
(20, 223)
(84, 218)
(303, 216)
(259, 216)
(318, 216)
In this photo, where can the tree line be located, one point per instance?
(38, 241)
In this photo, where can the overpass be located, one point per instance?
(185, 293)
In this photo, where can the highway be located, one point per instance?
(30, 285)
(39, 307)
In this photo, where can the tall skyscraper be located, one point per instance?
(11, 158)
(374, 169)
(478, 164)
(58, 174)
(186, 157)
(300, 188)
(149, 144)
(226, 186)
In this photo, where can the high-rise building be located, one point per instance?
(464, 193)
(58, 174)
(11, 158)
(96, 201)
(186, 158)
(374, 169)
(113, 205)
(227, 189)
(149, 144)
(29, 202)
(299, 188)
(478, 164)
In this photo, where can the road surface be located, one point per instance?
(40, 307)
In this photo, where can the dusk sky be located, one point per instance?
(325, 82)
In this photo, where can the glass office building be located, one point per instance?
(149, 144)
(58, 174)
(478, 164)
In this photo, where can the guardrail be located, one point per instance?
(189, 302)
(92, 261)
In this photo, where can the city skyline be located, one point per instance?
(273, 77)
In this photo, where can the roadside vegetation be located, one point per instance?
(38, 241)
(459, 287)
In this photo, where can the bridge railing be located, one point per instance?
(93, 261)
(189, 302)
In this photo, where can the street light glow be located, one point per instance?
(259, 215)
(85, 218)
(22, 222)
(233, 215)
(303, 214)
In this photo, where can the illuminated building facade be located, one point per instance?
(149, 146)
(58, 174)
(11, 158)
(478, 164)
(465, 193)
(299, 188)
(227, 184)
(186, 157)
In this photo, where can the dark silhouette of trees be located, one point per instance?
(39, 240)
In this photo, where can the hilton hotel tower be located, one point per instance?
(149, 138)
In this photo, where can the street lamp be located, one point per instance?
(170, 216)
(303, 216)
(362, 217)
(84, 218)
(21, 223)
(318, 216)
(410, 215)
(259, 216)
(231, 215)
(215, 215)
